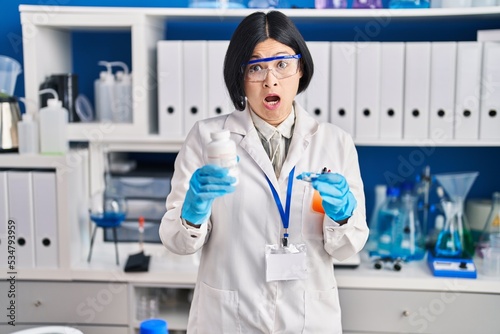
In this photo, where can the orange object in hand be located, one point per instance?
(317, 202)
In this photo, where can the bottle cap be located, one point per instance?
(153, 326)
(393, 191)
(218, 135)
(27, 117)
(54, 103)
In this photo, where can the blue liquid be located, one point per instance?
(448, 244)
(386, 220)
(406, 4)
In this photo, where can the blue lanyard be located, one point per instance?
(284, 213)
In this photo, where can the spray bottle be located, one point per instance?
(104, 91)
(123, 94)
(53, 125)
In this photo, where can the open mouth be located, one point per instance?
(272, 99)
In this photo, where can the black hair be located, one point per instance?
(255, 28)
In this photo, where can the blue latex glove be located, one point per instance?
(338, 200)
(206, 184)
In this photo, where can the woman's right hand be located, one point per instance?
(206, 184)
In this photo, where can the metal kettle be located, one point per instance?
(10, 114)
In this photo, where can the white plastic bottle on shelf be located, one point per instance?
(104, 94)
(27, 129)
(221, 151)
(123, 94)
(53, 125)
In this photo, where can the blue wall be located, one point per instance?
(378, 164)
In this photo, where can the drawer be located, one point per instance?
(129, 232)
(150, 209)
(70, 303)
(391, 311)
(141, 187)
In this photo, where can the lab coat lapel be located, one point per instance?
(241, 123)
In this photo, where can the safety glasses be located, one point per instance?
(282, 67)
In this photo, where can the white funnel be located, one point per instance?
(457, 185)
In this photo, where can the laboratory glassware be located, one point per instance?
(380, 197)
(9, 70)
(408, 240)
(491, 229)
(491, 257)
(457, 186)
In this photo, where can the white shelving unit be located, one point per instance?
(49, 28)
(47, 38)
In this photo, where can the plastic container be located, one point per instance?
(491, 260)
(9, 70)
(221, 151)
(491, 228)
(141, 186)
(123, 94)
(104, 94)
(29, 140)
(153, 326)
(53, 126)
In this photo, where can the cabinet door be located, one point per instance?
(70, 303)
(391, 311)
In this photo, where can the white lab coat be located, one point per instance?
(231, 294)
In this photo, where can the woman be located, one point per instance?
(267, 260)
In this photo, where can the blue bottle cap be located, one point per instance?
(392, 191)
(154, 326)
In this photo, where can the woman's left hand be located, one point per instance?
(338, 200)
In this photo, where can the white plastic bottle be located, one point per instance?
(53, 126)
(221, 151)
(27, 130)
(104, 94)
(123, 94)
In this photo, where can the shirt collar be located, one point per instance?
(267, 130)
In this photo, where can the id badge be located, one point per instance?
(286, 263)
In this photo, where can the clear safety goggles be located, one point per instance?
(282, 67)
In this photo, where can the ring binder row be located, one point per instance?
(29, 200)
(442, 91)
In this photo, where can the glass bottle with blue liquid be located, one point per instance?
(387, 216)
(408, 239)
(399, 233)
